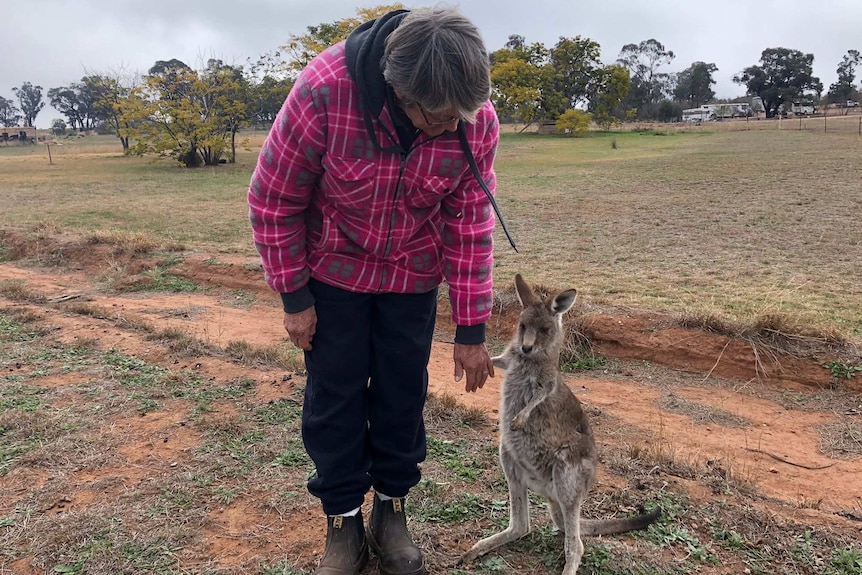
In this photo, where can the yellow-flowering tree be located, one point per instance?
(574, 122)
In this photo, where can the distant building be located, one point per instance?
(18, 135)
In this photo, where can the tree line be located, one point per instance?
(194, 114)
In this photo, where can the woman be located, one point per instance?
(366, 196)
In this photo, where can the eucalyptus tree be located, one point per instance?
(649, 86)
(10, 115)
(782, 76)
(29, 101)
(694, 85)
(845, 88)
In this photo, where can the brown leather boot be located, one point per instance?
(346, 548)
(388, 536)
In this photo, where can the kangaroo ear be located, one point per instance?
(525, 293)
(563, 301)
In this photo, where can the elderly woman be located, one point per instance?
(373, 186)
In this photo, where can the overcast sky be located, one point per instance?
(53, 43)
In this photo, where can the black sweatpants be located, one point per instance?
(367, 381)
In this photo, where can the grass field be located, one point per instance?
(738, 220)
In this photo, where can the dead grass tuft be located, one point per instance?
(180, 343)
(707, 321)
(279, 355)
(44, 229)
(21, 314)
(18, 290)
(841, 439)
(773, 334)
(702, 414)
(447, 408)
(87, 310)
(125, 242)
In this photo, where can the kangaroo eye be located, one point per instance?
(544, 331)
(522, 328)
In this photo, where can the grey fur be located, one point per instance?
(546, 443)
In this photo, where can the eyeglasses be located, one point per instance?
(432, 121)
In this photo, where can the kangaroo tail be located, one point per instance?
(612, 526)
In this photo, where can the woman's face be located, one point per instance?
(431, 124)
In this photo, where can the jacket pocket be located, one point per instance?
(348, 182)
(429, 191)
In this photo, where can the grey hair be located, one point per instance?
(436, 58)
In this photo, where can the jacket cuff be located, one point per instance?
(297, 301)
(470, 334)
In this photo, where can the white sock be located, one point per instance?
(348, 514)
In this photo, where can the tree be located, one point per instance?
(30, 102)
(185, 113)
(610, 92)
(845, 89)
(303, 47)
(574, 122)
(669, 111)
(694, 85)
(782, 76)
(66, 100)
(58, 127)
(10, 115)
(267, 97)
(649, 86)
(577, 69)
(229, 94)
(522, 81)
(172, 78)
(115, 103)
(269, 86)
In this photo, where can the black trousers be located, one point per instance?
(362, 419)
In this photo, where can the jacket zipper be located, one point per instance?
(402, 165)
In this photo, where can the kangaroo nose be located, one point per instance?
(526, 348)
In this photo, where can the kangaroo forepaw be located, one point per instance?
(519, 422)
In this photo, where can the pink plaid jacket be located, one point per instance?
(326, 202)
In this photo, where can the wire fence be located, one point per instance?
(832, 122)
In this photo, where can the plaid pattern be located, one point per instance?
(326, 202)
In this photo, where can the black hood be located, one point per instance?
(364, 53)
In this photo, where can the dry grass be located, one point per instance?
(280, 355)
(738, 220)
(701, 414)
(739, 225)
(841, 439)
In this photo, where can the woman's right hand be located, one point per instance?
(301, 327)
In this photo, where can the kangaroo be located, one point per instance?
(546, 443)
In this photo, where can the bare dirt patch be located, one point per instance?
(692, 403)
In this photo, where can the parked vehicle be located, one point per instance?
(712, 112)
(803, 108)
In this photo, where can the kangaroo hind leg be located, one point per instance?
(519, 511)
(571, 484)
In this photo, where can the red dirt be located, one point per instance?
(711, 370)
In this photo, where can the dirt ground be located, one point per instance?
(655, 368)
